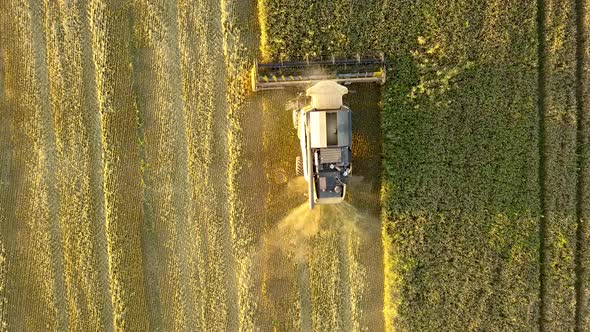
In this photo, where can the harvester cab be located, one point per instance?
(322, 121)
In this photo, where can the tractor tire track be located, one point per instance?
(198, 110)
(234, 17)
(541, 106)
(166, 154)
(582, 318)
(557, 35)
(109, 25)
(42, 217)
(7, 176)
(92, 123)
(83, 284)
(304, 296)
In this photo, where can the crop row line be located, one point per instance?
(581, 155)
(96, 165)
(541, 17)
(120, 154)
(5, 163)
(561, 35)
(46, 205)
(241, 235)
(188, 27)
(163, 144)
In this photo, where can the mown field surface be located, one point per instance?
(117, 150)
(143, 187)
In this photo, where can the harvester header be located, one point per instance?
(267, 76)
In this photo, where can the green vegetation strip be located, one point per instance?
(295, 29)
(460, 192)
(560, 165)
(583, 92)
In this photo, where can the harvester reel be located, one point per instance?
(266, 76)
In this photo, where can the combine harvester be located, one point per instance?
(322, 121)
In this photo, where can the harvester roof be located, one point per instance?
(326, 95)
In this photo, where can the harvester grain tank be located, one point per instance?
(322, 121)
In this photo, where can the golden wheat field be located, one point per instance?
(145, 188)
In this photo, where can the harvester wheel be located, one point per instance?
(298, 166)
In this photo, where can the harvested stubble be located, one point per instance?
(120, 165)
(193, 126)
(31, 218)
(123, 197)
(74, 258)
(72, 88)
